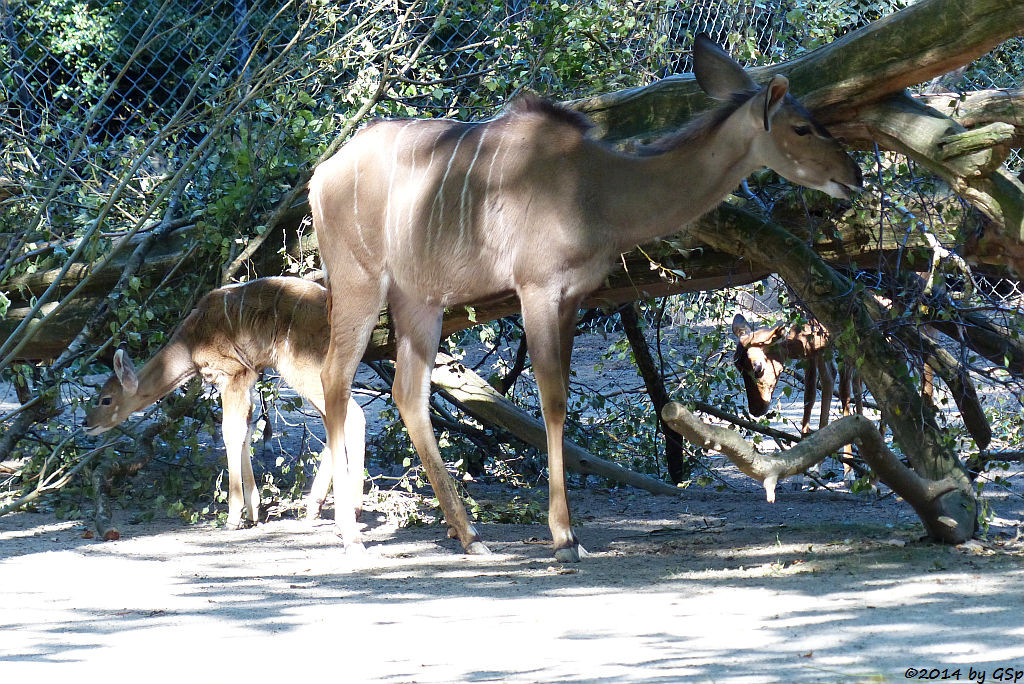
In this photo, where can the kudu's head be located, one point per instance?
(786, 138)
(116, 399)
(759, 362)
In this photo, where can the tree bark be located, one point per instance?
(485, 404)
(922, 494)
(856, 85)
(905, 125)
(678, 467)
(914, 45)
(681, 264)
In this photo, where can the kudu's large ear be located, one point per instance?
(772, 96)
(124, 369)
(740, 327)
(718, 74)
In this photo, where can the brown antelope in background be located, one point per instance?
(232, 335)
(762, 354)
(427, 214)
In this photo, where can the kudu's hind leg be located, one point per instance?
(236, 428)
(352, 317)
(321, 485)
(549, 332)
(355, 450)
(845, 398)
(417, 332)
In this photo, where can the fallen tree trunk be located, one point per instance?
(834, 81)
(852, 84)
(485, 404)
(679, 264)
(922, 494)
(843, 309)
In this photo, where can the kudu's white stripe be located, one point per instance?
(426, 174)
(355, 204)
(241, 302)
(277, 300)
(465, 186)
(391, 179)
(439, 197)
(277, 304)
(355, 190)
(291, 321)
(490, 170)
(412, 176)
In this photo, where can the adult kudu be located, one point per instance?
(428, 214)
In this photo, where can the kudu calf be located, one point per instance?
(233, 334)
(427, 214)
(761, 356)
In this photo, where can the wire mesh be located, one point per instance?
(89, 83)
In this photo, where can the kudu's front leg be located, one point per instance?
(352, 317)
(336, 395)
(236, 428)
(549, 332)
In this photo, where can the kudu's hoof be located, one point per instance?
(355, 549)
(478, 548)
(236, 524)
(312, 514)
(571, 554)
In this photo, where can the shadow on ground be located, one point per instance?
(713, 586)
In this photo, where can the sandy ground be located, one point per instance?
(714, 586)
(711, 586)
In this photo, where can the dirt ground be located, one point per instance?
(715, 586)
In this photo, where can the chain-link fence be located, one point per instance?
(113, 68)
(123, 117)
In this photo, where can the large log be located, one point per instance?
(768, 468)
(909, 47)
(485, 404)
(679, 264)
(855, 86)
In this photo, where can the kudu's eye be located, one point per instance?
(802, 130)
(105, 401)
(758, 370)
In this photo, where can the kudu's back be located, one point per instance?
(448, 209)
(270, 322)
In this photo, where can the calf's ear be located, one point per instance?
(124, 369)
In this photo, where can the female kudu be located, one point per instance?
(229, 338)
(428, 214)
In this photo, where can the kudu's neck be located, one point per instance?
(650, 197)
(170, 368)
